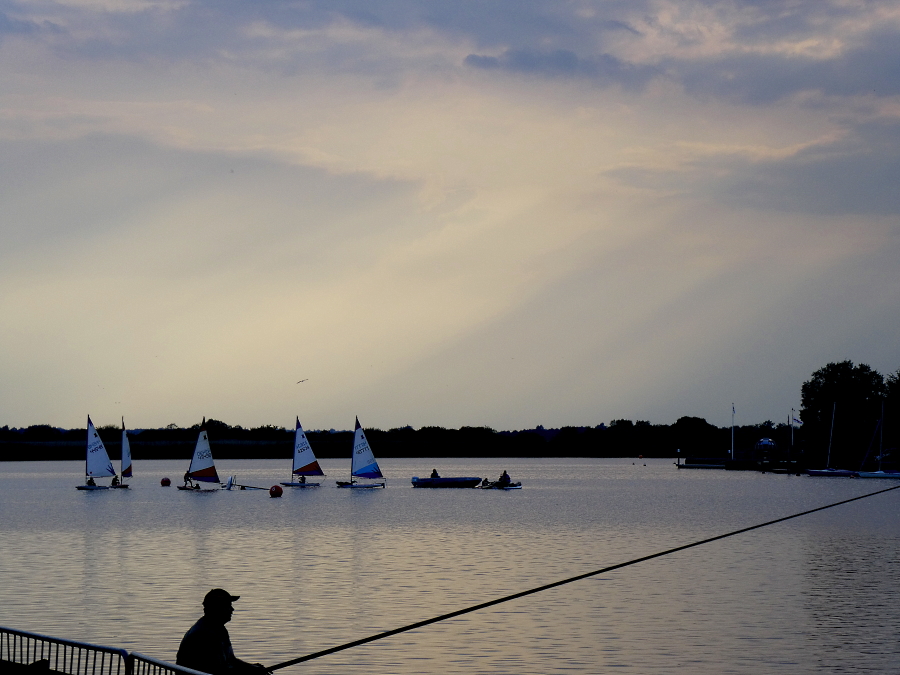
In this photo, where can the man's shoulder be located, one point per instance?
(204, 647)
(205, 627)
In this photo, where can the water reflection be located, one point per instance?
(317, 568)
(852, 598)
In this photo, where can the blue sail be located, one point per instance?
(363, 464)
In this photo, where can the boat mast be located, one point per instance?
(831, 435)
(732, 432)
(792, 430)
(86, 475)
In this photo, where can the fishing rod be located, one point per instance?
(522, 594)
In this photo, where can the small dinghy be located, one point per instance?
(126, 461)
(503, 483)
(362, 463)
(202, 468)
(497, 486)
(305, 462)
(97, 464)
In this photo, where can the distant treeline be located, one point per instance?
(621, 438)
(848, 419)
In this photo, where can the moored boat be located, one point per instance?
(828, 471)
(893, 473)
(881, 472)
(834, 473)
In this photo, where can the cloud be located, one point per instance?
(853, 174)
(869, 69)
(12, 26)
(602, 69)
(858, 175)
(505, 213)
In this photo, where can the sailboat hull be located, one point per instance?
(879, 474)
(359, 486)
(834, 473)
(92, 487)
(301, 485)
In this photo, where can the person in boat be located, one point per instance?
(207, 646)
(434, 473)
(90, 480)
(302, 479)
(485, 482)
(187, 480)
(504, 479)
(114, 481)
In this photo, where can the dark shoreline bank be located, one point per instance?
(622, 438)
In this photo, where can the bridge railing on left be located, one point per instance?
(21, 649)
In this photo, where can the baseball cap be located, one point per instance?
(219, 596)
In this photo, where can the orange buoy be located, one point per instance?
(165, 482)
(275, 491)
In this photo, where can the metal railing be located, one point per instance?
(138, 664)
(60, 656)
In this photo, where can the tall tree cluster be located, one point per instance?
(849, 414)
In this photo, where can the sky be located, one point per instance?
(505, 213)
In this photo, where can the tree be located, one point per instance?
(841, 407)
(892, 418)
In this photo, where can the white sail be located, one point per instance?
(363, 464)
(202, 467)
(98, 464)
(305, 462)
(126, 453)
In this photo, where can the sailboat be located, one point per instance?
(362, 464)
(97, 464)
(880, 473)
(828, 471)
(305, 462)
(126, 460)
(202, 467)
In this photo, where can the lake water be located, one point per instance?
(321, 567)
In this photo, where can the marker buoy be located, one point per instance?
(275, 491)
(165, 482)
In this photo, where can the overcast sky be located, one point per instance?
(503, 213)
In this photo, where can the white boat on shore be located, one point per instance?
(879, 474)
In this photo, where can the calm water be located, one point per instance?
(318, 568)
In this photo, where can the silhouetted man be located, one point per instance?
(206, 646)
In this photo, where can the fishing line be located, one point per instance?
(522, 594)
